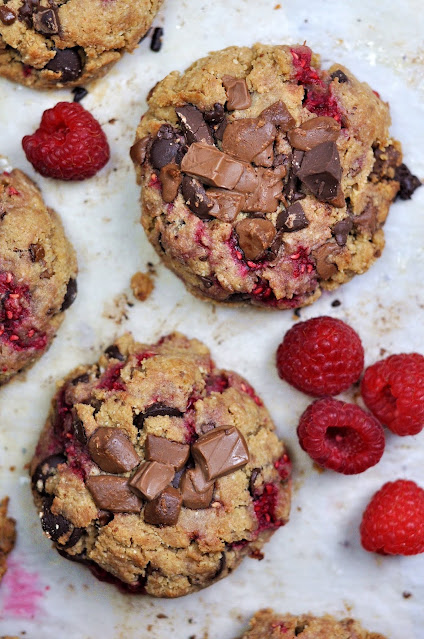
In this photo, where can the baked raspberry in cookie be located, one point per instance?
(158, 470)
(267, 624)
(38, 271)
(56, 43)
(265, 179)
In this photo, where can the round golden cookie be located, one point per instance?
(46, 44)
(265, 179)
(38, 271)
(159, 471)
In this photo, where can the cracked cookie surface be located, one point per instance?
(265, 179)
(159, 471)
(46, 44)
(37, 273)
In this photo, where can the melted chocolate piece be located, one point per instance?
(170, 178)
(279, 115)
(68, 63)
(321, 171)
(192, 496)
(138, 150)
(156, 41)
(226, 204)
(291, 189)
(196, 198)
(54, 525)
(341, 230)
(212, 166)
(37, 252)
(113, 352)
(113, 493)
(342, 77)
(45, 469)
(193, 125)
(165, 509)
(112, 451)
(165, 451)
(246, 138)
(79, 431)
(408, 182)
(292, 219)
(74, 538)
(70, 295)
(79, 93)
(367, 221)
(156, 410)
(46, 21)
(220, 452)
(167, 147)
(238, 96)
(151, 478)
(26, 10)
(7, 16)
(314, 132)
(255, 235)
(323, 257)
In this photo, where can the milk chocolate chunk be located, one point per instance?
(211, 166)
(165, 451)
(367, 221)
(291, 189)
(151, 478)
(324, 256)
(7, 16)
(238, 96)
(226, 204)
(279, 115)
(165, 509)
(166, 147)
(292, 219)
(67, 62)
(113, 493)
(341, 230)
(170, 177)
(112, 451)
(46, 21)
(138, 150)
(266, 195)
(193, 497)
(254, 237)
(321, 171)
(196, 198)
(265, 158)
(193, 125)
(220, 452)
(249, 181)
(246, 138)
(36, 252)
(313, 132)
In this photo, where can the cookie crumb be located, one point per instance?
(406, 594)
(7, 535)
(141, 285)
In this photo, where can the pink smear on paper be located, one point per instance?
(21, 592)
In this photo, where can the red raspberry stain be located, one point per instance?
(110, 380)
(265, 505)
(283, 466)
(15, 326)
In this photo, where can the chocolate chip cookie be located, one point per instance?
(37, 274)
(7, 535)
(266, 624)
(266, 179)
(159, 471)
(56, 43)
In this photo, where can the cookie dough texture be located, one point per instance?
(172, 390)
(7, 535)
(37, 273)
(76, 42)
(266, 624)
(323, 244)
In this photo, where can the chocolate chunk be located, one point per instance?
(339, 200)
(226, 204)
(253, 477)
(219, 130)
(113, 493)
(79, 93)
(321, 171)
(265, 158)
(342, 77)
(156, 410)
(291, 189)
(324, 259)
(279, 115)
(292, 219)
(74, 537)
(254, 237)
(265, 197)
(46, 21)
(313, 132)
(386, 161)
(244, 139)
(112, 451)
(165, 509)
(103, 518)
(196, 198)
(193, 497)
(7, 16)
(45, 469)
(216, 115)
(79, 431)
(26, 10)
(36, 252)
(170, 178)
(151, 478)
(220, 452)
(341, 230)
(138, 150)
(408, 182)
(54, 525)
(193, 125)
(156, 41)
(238, 96)
(367, 221)
(249, 180)
(70, 295)
(165, 451)
(166, 147)
(67, 62)
(113, 352)
(212, 166)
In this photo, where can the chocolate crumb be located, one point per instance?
(406, 594)
(408, 182)
(336, 303)
(79, 93)
(156, 42)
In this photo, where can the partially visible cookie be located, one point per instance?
(7, 535)
(158, 470)
(267, 624)
(38, 271)
(46, 44)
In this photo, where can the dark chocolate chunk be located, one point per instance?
(74, 537)
(215, 115)
(193, 125)
(386, 162)
(219, 130)
(151, 478)
(156, 410)
(104, 517)
(112, 451)
(165, 451)
(342, 77)
(196, 198)
(292, 219)
(336, 303)
(313, 132)
(45, 469)
(70, 295)
(26, 10)
(113, 493)
(79, 93)
(46, 21)
(255, 235)
(206, 281)
(7, 16)
(165, 509)
(191, 490)
(408, 182)
(54, 525)
(166, 147)
(238, 96)
(156, 42)
(113, 352)
(291, 189)
(68, 63)
(79, 430)
(321, 171)
(253, 477)
(341, 230)
(36, 252)
(220, 452)
(170, 178)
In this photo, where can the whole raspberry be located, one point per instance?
(322, 356)
(69, 145)
(341, 436)
(393, 390)
(393, 522)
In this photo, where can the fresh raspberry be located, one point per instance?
(69, 145)
(393, 522)
(341, 436)
(322, 356)
(393, 390)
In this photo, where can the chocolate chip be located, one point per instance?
(45, 469)
(156, 410)
(193, 124)
(196, 198)
(54, 525)
(246, 138)
(151, 478)
(253, 477)
(408, 182)
(74, 538)
(254, 237)
(206, 281)
(79, 431)
(220, 452)
(238, 96)
(219, 130)
(341, 230)
(195, 490)
(113, 493)
(265, 158)
(112, 451)
(170, 178)
(156, 42)
(336, 303)
(342, 77)
(113, 352)
(222, 565)
(166, 147)
(79, 93)
(291, 189)
(165, 451)
(279, 115)
(138, 150)
(324, 256)
(212, 166)
(216, 115)
(26, 10)
(165, 509)
(226, 204)
(321, 171)
(36, 252)
(7, 16)
(313, 132)
(67, 62)
(70, 295)
(46, 21)
(292, 219)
